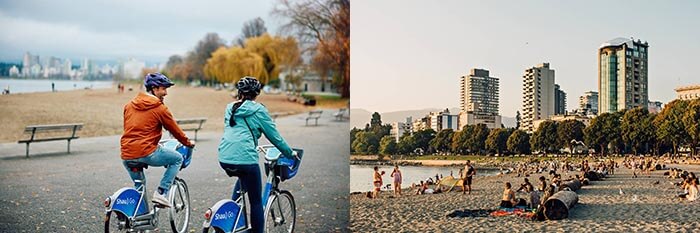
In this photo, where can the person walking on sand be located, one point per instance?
(377, 181)
(469, 173)
(397, 180)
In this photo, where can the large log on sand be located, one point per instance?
(573, 185)
(558, 205)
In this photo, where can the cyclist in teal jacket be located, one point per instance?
(245, 121)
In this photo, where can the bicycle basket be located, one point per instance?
(288, 167)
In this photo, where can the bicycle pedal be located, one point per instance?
(158, 205)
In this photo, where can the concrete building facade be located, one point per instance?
(588, 103)
(688, 92)
(479, 99)
(538, 95)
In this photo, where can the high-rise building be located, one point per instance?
(538, 95)
(588, 103)
(559, 100)
(622, 75)
(479, 99)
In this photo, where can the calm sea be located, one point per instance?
(361, 175)
(43, 85)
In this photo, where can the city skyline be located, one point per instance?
(418, 65)
(111, 30)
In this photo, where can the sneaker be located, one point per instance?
(160, 199)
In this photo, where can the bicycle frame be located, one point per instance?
(137, 212)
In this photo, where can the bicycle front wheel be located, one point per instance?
(179, 212)
(280, 213)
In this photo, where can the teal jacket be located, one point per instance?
(238, 145)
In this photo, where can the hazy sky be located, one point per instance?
(114, 29)
(411, 54)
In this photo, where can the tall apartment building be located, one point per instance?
(559, 100)
(538, 95)
(622, 75)
(479, 99)
(588, 103)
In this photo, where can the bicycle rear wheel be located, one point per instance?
(280, 213)
(179, 212)
(115, 222)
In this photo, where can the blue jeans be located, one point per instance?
(165, 157)
(249, 179)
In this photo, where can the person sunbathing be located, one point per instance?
(508, 199)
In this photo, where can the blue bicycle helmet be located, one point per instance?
(248, 84)
(157, 80)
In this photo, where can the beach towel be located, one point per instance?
(469, 213)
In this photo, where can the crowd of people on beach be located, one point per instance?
(688, 183)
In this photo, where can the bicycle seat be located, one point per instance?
(136, 166)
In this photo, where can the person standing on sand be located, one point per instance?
(145, 116)
(377, 181)
(469, 173)
(397, 180)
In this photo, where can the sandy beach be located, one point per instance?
(101, 109)
(645, 206)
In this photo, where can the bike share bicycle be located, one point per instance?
(127, 210)
(280, 211)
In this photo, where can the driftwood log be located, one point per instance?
(594, 176)
(573, 185)
(586, 181)
(558, 205)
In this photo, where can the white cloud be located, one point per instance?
(70, 39)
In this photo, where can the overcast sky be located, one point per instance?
(411, 54)
(118, 29)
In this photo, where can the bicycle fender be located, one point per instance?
(227, 214)
(125, 201)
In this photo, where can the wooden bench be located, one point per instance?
(315, 114)
(275, 115)
(53, 130)
(342, 114)
(191, 124)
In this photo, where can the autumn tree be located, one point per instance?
(231, 64)
(278, 54)
(323, 26)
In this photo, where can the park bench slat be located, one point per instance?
(191, 124)
(39, 129)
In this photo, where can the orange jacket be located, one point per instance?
(144, 119)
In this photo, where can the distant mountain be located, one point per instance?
(360, 117)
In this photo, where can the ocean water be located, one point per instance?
(361, 175)
(44, 85)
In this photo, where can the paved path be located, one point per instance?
(53, 191)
